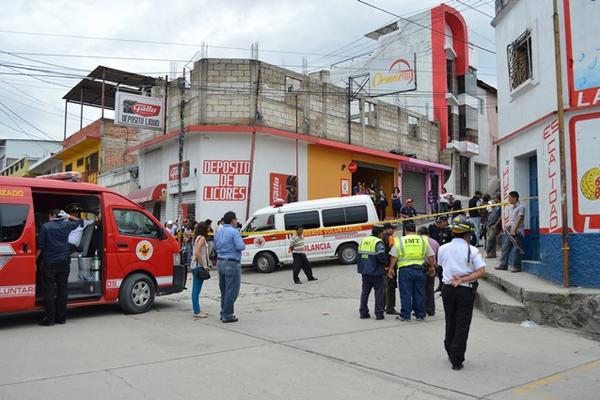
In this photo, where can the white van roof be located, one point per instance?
(315, 204)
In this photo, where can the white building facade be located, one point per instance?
(529, 155)
(427, 66)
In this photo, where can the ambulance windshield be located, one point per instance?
(260, 223)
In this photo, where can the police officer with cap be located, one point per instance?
(462, 265)
(371, 265)
(408, 255)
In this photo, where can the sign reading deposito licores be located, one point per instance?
(139, 111)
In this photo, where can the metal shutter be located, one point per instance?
(187, 198)
(413, 185)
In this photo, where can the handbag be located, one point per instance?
(203, 274)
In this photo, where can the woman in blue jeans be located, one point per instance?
(199, 261)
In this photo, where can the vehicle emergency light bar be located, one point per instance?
(69, 176)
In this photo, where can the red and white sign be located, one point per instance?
(585, 171)
(227, 189)
(345, 187)
(174, 171)
(139, 111)
(282, 186)
(552, 163)
(186, 181)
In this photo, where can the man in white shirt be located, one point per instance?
(76, 234)
(515, 235)
(462, 265)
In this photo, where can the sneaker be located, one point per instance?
(312, 278)
(298, 282)
(61, 321)
(513, 269)
(457, 367)
(201, 315)
(500, 268)
(403, 319)
(234, 319)
(421, 319)
(366, 316)
(392, 312)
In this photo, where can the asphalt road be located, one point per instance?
(292, 342)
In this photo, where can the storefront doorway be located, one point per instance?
(376, 175)
(413, 186)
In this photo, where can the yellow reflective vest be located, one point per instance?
(411, 250)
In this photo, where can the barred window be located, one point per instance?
(520, 65)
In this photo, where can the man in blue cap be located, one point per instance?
(371, 265)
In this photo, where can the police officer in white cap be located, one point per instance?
(462, 266)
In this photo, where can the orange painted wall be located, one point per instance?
(325, 172)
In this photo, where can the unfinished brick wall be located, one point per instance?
(247, 92)
(114, 142)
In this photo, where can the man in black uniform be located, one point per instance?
(441, 233)
(463, 265)
(389, 284)
(407, 211)
(53, 244)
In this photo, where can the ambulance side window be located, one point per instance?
(356, 215)
(308, 219)
(12, 221)
(261, 223)
(334, 217)
(135, 223)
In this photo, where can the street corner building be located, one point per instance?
(255, 132)
(529, 131)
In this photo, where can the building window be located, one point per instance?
(93, 162)
(69, 167)
(451, 77)
(292, 84)
(370, 114)
(413, 126)
(452, 125)
(519, 55)
(464, 164)
(480, 105)
(80, 162)
(467, 124)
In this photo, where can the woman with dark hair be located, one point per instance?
(199, 261)
(396, 202)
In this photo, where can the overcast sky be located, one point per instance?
(285, 30)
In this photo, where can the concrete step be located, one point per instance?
(498, 305)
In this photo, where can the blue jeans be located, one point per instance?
(230, 276)
(411, 283)
(508, 248)
(196, 288)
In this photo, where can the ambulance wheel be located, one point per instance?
(265, 262)
(347, 253)
(137, 294)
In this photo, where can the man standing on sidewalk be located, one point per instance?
(462, 265)
(297, 248)
(371, 265)
(389, 282)
(229, 246)
(408, 255)
(494, 224)
(474, 215)
(515, 234)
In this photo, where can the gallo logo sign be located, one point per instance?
(145, 110)
(399, 76)
(139, 111)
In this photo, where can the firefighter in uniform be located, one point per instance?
(408, 255)
(371, 265)
(462, 265)
(389, 283)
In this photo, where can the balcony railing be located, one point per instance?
(89, 177)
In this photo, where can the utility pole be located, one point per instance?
(180, 143)
(561, 143)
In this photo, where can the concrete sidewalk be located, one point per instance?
(292, 341)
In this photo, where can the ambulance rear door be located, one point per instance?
(17, 249)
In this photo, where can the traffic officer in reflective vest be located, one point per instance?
(408, 255)
(371, 265)
(462, 265)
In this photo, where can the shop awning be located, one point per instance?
(150, 193)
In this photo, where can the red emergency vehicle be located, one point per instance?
(124, 255)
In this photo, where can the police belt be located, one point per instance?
(413, 266)
(470, 285)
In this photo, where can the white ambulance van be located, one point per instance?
(333, 228)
